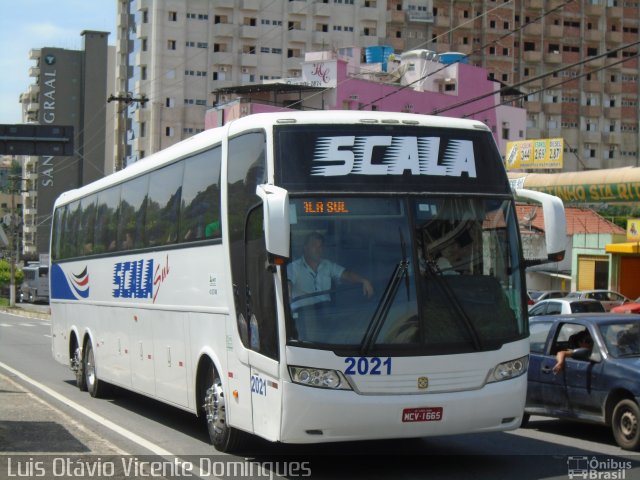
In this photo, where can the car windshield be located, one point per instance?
(622, 339)
(405, 276)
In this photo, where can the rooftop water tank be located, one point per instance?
(378, 54)
(453, 57)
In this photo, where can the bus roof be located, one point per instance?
(213, 136)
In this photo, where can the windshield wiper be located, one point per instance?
(388, 296)
(452, 298)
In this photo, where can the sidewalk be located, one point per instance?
(29, 424)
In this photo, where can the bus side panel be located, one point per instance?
(237, 378)
(170, 356)
(115, 326)
(60, 332)
(142, 357)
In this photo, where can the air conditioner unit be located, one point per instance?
(223, 69)
(245, 70)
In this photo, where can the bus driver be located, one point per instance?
(312, 273)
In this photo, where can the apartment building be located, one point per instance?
(592, 99)
(70, 88)
(175, 53)
(566, 57)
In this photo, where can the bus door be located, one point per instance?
(262, 330)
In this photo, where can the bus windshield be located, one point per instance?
(404, 276)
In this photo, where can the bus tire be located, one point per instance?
(625, 424)
(95, 386)
(77, 365)
(223, 437)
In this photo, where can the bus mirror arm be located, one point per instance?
(275, 202)
(555, 222)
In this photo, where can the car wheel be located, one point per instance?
(624, 424)
(223, 437)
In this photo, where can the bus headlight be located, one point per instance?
(319, 377)
(508, 370)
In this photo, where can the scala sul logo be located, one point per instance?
(346, 155)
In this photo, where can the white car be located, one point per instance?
(607, 298)
(561, 306)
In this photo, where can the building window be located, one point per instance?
(173, 16)
(168, 132)
(171, 44)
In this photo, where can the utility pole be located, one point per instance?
(124, 100)
(13, 242)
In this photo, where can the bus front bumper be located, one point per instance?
(316, 415)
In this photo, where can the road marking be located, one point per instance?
(88, 413)
(129, 435)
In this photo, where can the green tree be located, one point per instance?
(5, 275)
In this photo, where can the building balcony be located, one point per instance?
(420, 17)
(248, 31)
(321, 38)
(592, 86)
(535, 4)
(220, 58)
(595, 62)
(553, 31)
(395, 16)
(29, 228)
(614, 138)
(368, 13)
(613, 113)
(553, 58)
(533, 107)
(591, 110)
(33, 107)
(34, 72)
(593, 35)
(224, 30)
(297, 36)
(613, 88)
(533, 29)
(224, 4)
(294, 63)
(615, 63)
(594, 10)
(322, 9)
(463, 23)
(532, 56)
(591, 137)
(443, 21)
(250, 4)
(615, 12)
(35, 54)
(552, 108)
(30, 211)
(613, 37)
(248, 60)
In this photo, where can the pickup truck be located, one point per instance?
(599, 385)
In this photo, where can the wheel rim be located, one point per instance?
(214, 408)
(90, 368)
(628, 424)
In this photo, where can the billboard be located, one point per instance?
(544, 153)
(633, 229)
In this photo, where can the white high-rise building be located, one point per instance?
(173, 54)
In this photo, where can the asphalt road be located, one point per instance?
(41, 411)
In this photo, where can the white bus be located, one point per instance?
(175, 278)
(35, 286)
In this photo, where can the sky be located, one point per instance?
(32, 24)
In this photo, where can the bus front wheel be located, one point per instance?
(223, 437)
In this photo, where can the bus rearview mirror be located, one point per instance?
(275, 201)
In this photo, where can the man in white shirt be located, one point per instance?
(312, 273)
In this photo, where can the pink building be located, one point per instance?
(415, 83)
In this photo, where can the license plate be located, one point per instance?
(422, 414)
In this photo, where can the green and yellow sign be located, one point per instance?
(534, 154)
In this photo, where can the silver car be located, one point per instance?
(563, 306)
(607, 298)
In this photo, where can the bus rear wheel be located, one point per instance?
(77, 365)
(223, 437)
(94, 385)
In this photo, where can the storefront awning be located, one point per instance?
(628, 247)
